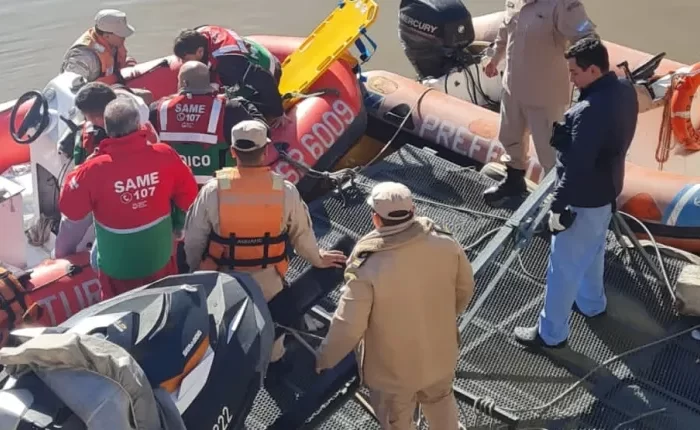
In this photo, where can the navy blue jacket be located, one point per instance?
(599, 130)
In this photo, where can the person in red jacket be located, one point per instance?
(128, 185)
(246, 67)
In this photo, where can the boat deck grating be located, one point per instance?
(492, 364)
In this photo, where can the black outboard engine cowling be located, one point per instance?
(434, 33)
(203, 341)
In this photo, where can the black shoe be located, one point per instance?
(529, 336)
(576, 309)
(512, 186)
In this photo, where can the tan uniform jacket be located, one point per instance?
(203, 217)
(533, 38)
(403, 301)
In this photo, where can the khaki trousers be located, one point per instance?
(518, 122)
(395, 410)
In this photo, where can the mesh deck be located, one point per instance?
(492, 364)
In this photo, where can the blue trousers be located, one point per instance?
(575, 273)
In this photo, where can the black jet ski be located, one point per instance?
(208, 331)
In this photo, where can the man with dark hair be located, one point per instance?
(129, 185)
(245, 66)
(91, 100)
(532, 40)
(591, 145)
(398, 305)
(99, 54)
(256, 205)
(197, 122)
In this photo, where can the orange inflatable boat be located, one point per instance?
(324, 126)
(667, 201)
(63, 287)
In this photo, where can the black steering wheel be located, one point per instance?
(37, 118)
(646, 70)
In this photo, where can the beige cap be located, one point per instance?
(249, 135)
(389, 197)
(113, 21)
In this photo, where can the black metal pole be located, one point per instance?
(520, 227)
(493, 249)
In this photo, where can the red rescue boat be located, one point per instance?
(324, 126)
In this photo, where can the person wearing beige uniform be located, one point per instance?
(401, 310)
(99, 54)
(532, 39)
(255, 204)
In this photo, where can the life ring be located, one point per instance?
(681, 103)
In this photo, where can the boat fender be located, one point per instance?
(681, 105)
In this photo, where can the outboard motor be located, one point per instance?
(435, 35)
(202, 340)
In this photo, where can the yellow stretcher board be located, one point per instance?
(326, 44)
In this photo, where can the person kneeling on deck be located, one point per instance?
(256, 205)
(197, 122)
(402, 310)
(128, 185)
(241, 64)
(99, 54)
(591, 144)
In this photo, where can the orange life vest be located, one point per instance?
(109, 62)
(251, 213)
(16, 307)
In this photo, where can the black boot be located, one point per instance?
(512, 186)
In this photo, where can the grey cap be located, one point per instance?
(389, 197)
(113, 21)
